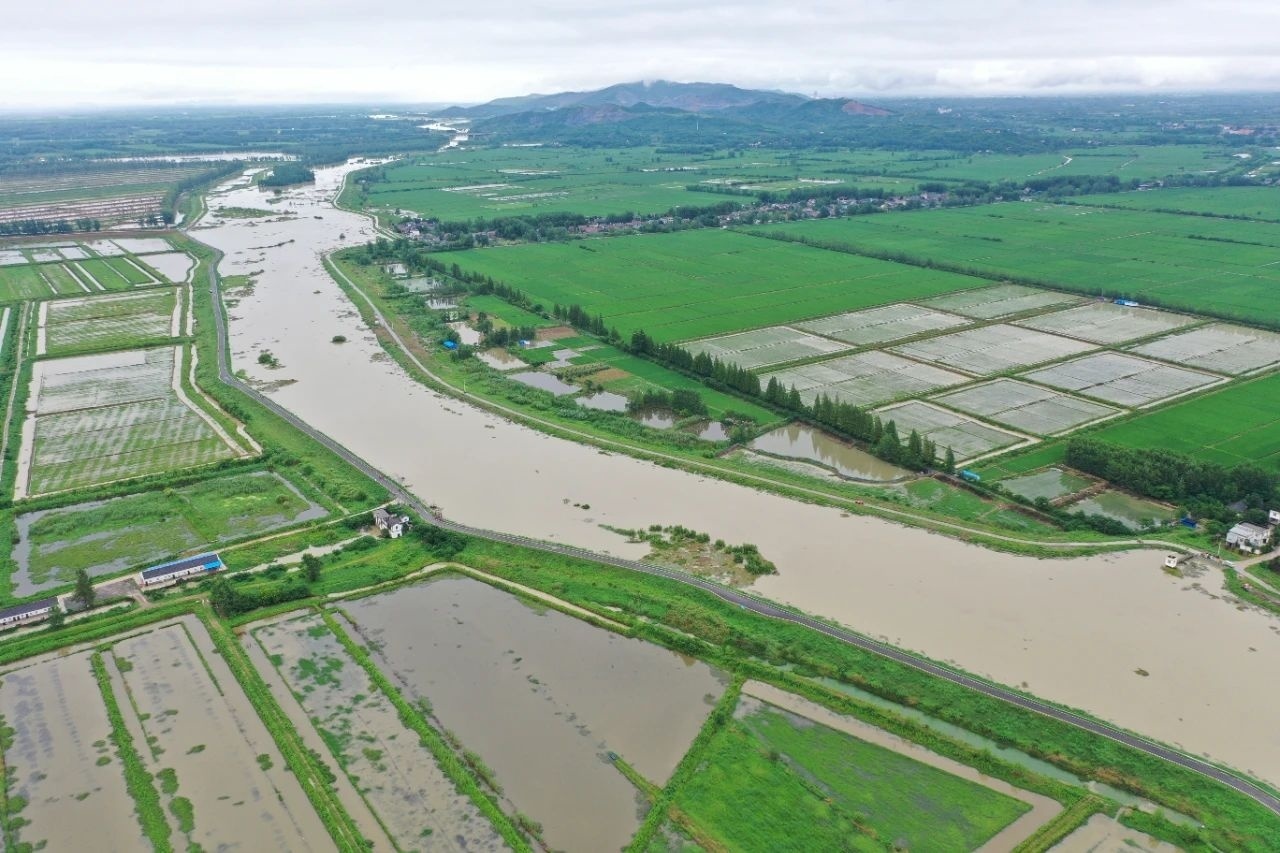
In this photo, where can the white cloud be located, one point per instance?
(76, 52)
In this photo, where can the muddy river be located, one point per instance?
(544, 699)
(1074, 631)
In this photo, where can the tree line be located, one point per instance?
(1205, 489)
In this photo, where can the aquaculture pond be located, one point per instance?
(543, 699)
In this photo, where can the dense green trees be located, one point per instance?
(1205, 488)
(287, 174)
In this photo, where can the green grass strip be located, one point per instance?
(139, 782)
(716, 720)
(309, 771)
(444, 756)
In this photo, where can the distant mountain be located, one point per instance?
(691, 97)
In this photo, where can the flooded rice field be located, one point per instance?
(543, 698)
(797, 441)
(416, 803)
(62, 760)
(208, 745)
(544, 382)
(1103, 834)
(500, 359)
(1015, 619)
(1133, 512)
(604, 401)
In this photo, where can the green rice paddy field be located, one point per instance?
(697, 283)
(775, 782)
(1239, 424)
(1227, 267)
(1252, 202)
(1123, 161)
(494, 182)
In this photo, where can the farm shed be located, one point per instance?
(29, 612)
(178, 569)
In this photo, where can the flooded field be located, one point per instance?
(208, 746)
(542, 696)
(1018, 620)
(111, 535)
(413, 799)
(543, 381)
(1134, 513)
(1048, 484)
(1102, 834)
(500, 359)
(797, 441)
(62, 760)
(605, 401)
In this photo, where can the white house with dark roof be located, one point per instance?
(168, 573)
(32, 611)
(391, 524)
(1249, 537)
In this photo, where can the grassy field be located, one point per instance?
(1123, 161)
(1221, 267)
(747, 802)
(110, 536)
(696, 283)
(1239, 424)
(107, 272)
(1250, 202)
(643, 375)
(492, 182)
(24, 282)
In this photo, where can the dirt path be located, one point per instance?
(1043, 809)
(175, 382)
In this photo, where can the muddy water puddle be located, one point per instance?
(416, 803)
(604, 401)
(500, 359)
(797, 441)
(544, 382)
(62, 759)
(1134, 513)
(1103, 834)
(543, 698)
(1012, 618)
(204, 734)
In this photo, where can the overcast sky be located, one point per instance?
(88, 52)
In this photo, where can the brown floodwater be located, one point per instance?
(60, 732)
(656, 418)
(500, 359)
(605, 401)
(797, 441)
(397, 777)
(710, 431)
(544, 381)
(543, 698)
(1073, 630)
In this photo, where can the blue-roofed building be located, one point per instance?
(167, 573)
(29, 612)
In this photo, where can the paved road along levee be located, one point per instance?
(729, 594)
